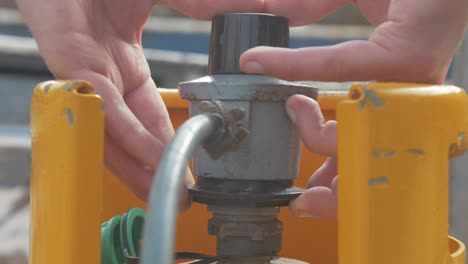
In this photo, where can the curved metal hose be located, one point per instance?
(160, 226)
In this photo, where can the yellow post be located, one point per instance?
(67, 130)
(394, 144)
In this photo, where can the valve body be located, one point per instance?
(245, 186)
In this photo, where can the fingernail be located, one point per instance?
(296, 210)
(253, 67)
(291, 113)
(304, 214)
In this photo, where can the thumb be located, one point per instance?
(317, 135)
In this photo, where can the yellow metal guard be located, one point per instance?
(397, 139)
(394, 145)
(66, 182)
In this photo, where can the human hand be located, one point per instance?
(320, 199)
(414, 41)
(100, 42)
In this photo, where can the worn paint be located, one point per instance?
(383, 153)
(47, 87)
(382, 180)
(419, 153)
(371, 97)
(69, 86)
(70, 116)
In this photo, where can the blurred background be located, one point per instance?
(176, 49)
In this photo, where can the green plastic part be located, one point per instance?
(132, 231)
(111, 248)
(121, 236)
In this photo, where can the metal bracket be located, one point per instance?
(232, 131)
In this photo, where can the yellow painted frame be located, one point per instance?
(72, 193)
(394, 203)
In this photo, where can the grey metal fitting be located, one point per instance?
(246, 232)
(271, 150)
(259, 169)
(247, 171)
(254, 163)
(230, 134)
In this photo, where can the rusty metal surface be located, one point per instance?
(231, 133)
(246, 233)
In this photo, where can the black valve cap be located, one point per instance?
(233, 34)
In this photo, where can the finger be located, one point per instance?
(303, 12)
(147, 105)
(375, 12)
(316, 202)
(348, 61)
(121, 124)
(324, 175)
(205, 9)
(317, 135)
(129, 171)
(136, 177)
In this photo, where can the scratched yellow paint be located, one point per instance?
(394, 142)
